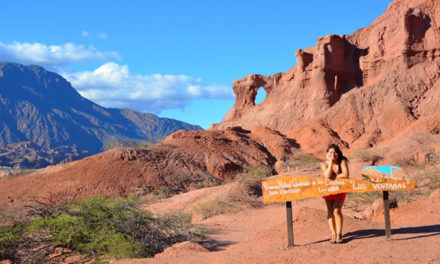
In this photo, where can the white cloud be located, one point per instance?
(113, 85)
(51, 56)
(85, 34)
(102, 35)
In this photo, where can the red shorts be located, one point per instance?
(336, 197)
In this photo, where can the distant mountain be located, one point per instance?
(30, 155)
(42, 108)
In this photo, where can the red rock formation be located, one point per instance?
(358, 90)
(184, 160)
(379, 84)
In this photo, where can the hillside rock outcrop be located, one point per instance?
(378, 85)
(357, 90)
(183, 161)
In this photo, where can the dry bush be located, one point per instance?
(248, 187)
(181, 182)
(214, 207)
(301, 160)
(244, 193)
(431, 158)
(114, 142)
(46, 206)
(421, 138)
(10, 216)
(367, 155)
(405, 162)
(426, 176)
(356, 201)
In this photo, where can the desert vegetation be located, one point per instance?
(95, 229)
(245, 193)
(367, 155)
(126, 142)
(425, 175)
(9, 171)
(182, 182)
(300, 160)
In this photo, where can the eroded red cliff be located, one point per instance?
(358, 90)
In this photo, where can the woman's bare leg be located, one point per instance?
(339, 220)
(331, 217)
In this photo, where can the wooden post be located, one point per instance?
(386, 210)
(289, 223)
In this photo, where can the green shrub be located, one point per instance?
(113, 228)
(9, 238)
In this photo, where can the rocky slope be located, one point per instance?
(358, 90)
(183, 161)
(350, 90)
(375, 88)
(41, 107)
(30, 155)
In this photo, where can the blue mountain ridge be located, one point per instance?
(41, 107)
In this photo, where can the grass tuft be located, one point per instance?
(214, 207)
(301, 161)
(367, 155)
(244, 193)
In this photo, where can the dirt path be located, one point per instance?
(259, 236)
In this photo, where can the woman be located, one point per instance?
(335, 167)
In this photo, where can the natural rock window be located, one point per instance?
(261, 95)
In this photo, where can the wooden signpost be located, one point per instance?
(290, 188)
(383, 174)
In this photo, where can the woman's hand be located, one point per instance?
(330, 156)
(326, 168)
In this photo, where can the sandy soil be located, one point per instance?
(260, 236)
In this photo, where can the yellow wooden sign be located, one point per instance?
(289, 188)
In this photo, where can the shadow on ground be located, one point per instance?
(215, 245)
(418, 231)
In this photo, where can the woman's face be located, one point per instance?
(332, 154)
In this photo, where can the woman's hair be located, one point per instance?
(341, 157)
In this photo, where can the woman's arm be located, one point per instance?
(327, 169)
(344, 168)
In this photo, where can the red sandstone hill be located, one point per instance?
(357, 90)
(376, 87)
(184, 160)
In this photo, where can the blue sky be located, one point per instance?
(176, 58)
